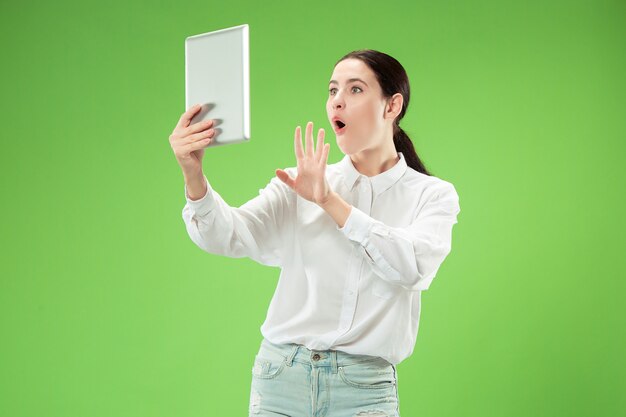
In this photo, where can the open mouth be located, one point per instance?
(339, 126)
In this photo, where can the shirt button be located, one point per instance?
(316, 357)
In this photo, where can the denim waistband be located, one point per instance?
(320, 358)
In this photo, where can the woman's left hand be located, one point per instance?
(311, 183)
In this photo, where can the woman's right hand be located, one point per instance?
(188, 142)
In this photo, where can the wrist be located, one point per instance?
(193, 175)
(332, 196)
(196, 185)
(337, 208)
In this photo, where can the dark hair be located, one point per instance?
(392, 79)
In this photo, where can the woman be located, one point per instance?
(357, 241)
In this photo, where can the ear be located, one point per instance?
(394, 106)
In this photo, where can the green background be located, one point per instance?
(107, 308)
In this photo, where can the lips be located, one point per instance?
(339, 126)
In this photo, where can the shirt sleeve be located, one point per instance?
(408, 256)
(254, 230)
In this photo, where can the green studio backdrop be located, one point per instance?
(107, 308)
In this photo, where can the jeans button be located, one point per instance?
(316, 357)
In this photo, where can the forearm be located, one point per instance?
(337, 208)
(408, 255)
(254, 230)
(196, 186)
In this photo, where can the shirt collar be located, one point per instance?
(379, 182)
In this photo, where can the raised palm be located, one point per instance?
(311, 183)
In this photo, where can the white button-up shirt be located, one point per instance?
(355, 288)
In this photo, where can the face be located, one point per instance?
(356, 98)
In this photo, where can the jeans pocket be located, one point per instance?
(368, 375)
(268, 368)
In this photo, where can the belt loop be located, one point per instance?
(294, 350)
(333, 360)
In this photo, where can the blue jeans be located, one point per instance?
(291, 380)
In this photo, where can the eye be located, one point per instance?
(331, 91)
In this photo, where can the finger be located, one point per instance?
(309, 139)
(324, 160)
(298, 143)
(200, 136)
(196, 127)
(194, 146)
(186, 117)
(320, 144)
(284, 177)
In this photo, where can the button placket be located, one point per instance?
(365, 195)
(363, 199)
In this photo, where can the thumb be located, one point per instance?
(284, 177)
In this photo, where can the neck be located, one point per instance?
(371, 162)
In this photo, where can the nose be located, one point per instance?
(337, 102)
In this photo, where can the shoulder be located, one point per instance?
(432, 194)
(427, 185)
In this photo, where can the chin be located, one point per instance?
(346, 146)
(342, 146)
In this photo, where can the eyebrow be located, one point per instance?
(350, 80)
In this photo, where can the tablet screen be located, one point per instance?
(217, 76)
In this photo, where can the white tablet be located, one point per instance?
(217, 76)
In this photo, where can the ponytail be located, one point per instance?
(404, 144)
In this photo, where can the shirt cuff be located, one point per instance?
(357, 226)
(205, 204)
